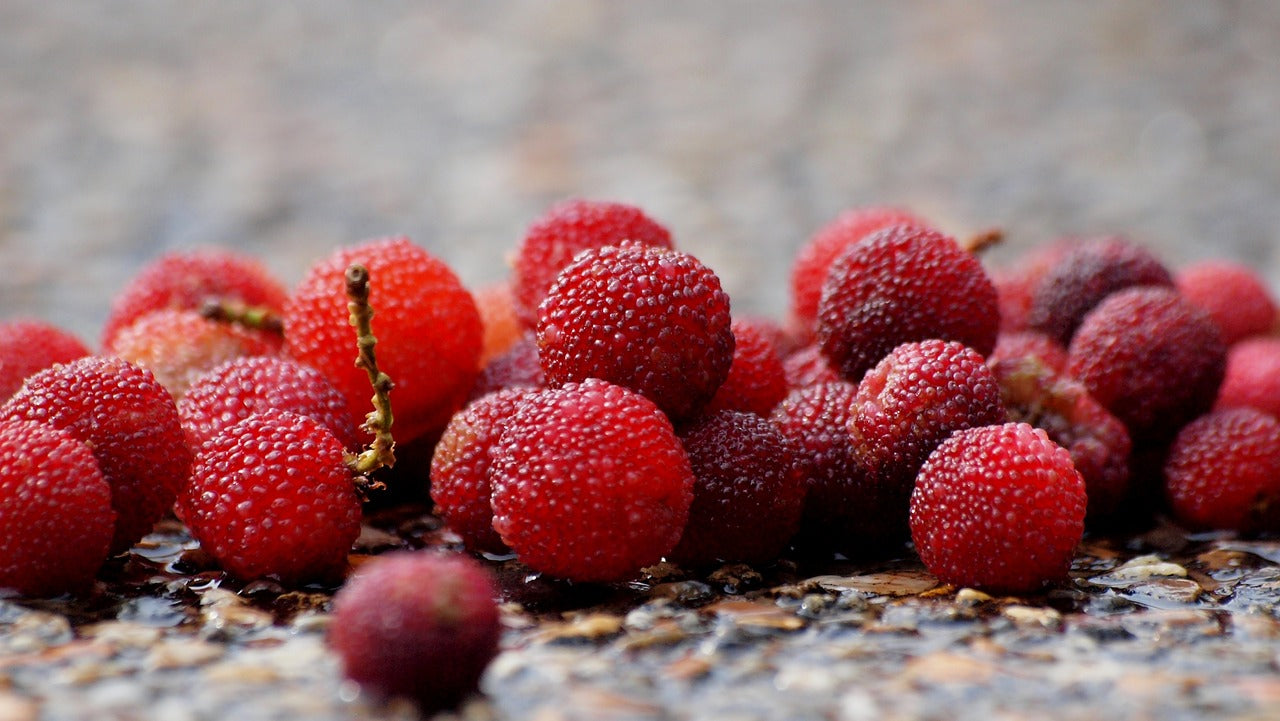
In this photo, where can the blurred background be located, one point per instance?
(128, 129)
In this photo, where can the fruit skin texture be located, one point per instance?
(55, 511)
(649, 319)
(749, 490)
(272, 496)
(185, 280)
(1000, 508)
(518, 367)
(1029, 343)
(1151, 358)
(1252, 377)
(131, 424)
(28, 346)
(568, 228)
(1237, 299)
(460, 485)
(1223, 471)
(428, 329)
(422, 625)
(590, 482)
(756, 380)
(239, 388)
(808, 366)
(901, 284)
(813, 261)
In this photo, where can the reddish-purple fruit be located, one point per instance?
(421, 625)
(55, 511)
(808, 366)
(1234, 295)
(1223, 471)
(757, 380)
(1029, 344)
(28, 346)
(518, 367)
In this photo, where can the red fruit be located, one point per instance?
(756, 380)
(28, 346)
(131, 424)
(1223, 471)
(517, 368)
(179, 346)
(502, 328)
(239, 388)
(998, 507)
(902, 284)
(1029, 344)
(55, 511)
(1151, 358)
(748, 492)
(1016, 284)
(1234, 295)
(567, 229)
(1048, 399)
(272, 496)
(807, 367)
(913, 399)
(1252, 378)
(460, 467)
(421, 625)
(590, 482)
(813, 262)
(428, 329)
(1084, 276)
(648, 319)
(186, 280)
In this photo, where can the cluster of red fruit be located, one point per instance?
(602, 410)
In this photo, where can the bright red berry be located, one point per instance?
(756, 380)
(428, 329)
(187, 280)
(1252, 378)
(1223, 471)
(273, 496)
(129, 421)
(998, 507)
(1234, 295)
(421, 625)
(590, 482)
(649, 319)
(567, 229)
(28, 346)
(55, 511)
(748, 492)
(901, 284)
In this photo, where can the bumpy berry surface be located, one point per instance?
(590, 482)
(1223, 471)
(568, 228)
(28, 346)
(813, 262)
(502, 328)
(998, 507)
(1046, 398)
(519, 367)
(56, 520)
(460, 467)
(902, 284)
(272, 496)
(650, 319)
(756, 380)
(239, 388)
(808, 366)
(1029, 344)
(186, 280)
(749, 490)
(1234, 295)
(1015, 284)
(1085, 275)
(420, 625)
(913, 399)
(427, 325)
(129, 421)
(815, 420)
(1151, 358)
(1252, 378)
(179, 346)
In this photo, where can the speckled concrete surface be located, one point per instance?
(131, 128)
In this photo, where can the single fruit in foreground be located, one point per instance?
(998, 507)
(421, 625)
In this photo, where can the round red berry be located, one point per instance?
(28, 346)
(1223, 471)
(1252, 377)
(756, 380)
(1234, 295)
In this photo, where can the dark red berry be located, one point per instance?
(28, 346)
(1252, 377)
(649, 319)
(1015, 284)
(129, 421)
(748, 492)
(590, 482)
(998, 507)
(421, 625)
(903, 284)
(56, 520)
(1234, 295)
(756, 380)
(1223, 471)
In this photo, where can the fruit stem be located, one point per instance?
(982, 240)
(250, 316)
(381, 453)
